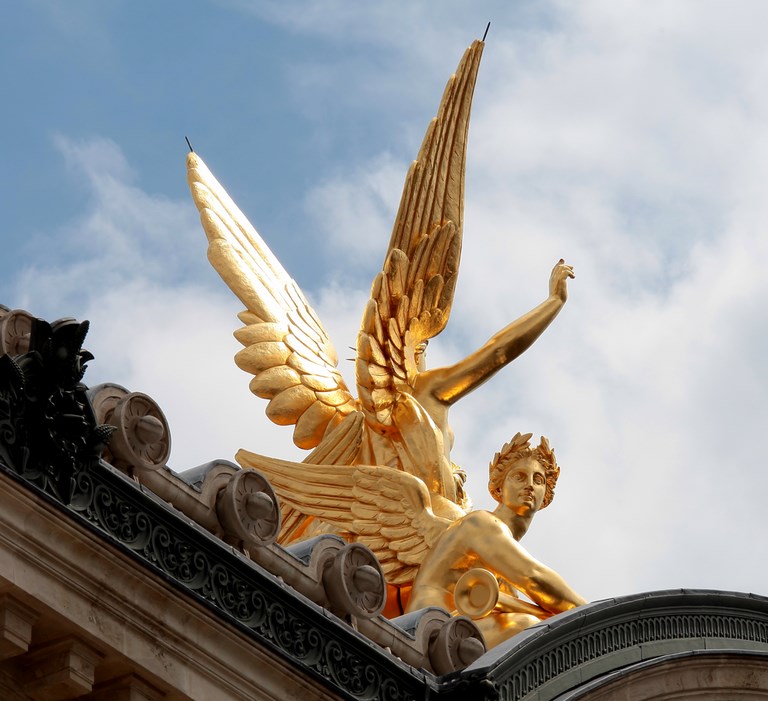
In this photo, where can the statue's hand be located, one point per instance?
(558, 280)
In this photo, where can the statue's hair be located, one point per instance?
(517, 449)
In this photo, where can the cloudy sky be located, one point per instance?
(630, 138)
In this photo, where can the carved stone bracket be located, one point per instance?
(16, 622)
(354, 582)
(449, 643)
(248, 510)
(60, 670)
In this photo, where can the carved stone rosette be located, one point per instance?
(248, 510)
(15, 331)
(141, 441)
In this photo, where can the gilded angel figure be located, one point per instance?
(471, 564)
(400, 418)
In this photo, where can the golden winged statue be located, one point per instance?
(471, 564)
(395, 436)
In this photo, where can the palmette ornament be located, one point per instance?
(392, 443)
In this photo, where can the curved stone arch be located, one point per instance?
(706, 675)
(583, 647)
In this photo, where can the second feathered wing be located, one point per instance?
(384, 508)
(411, 298)
(286, 347)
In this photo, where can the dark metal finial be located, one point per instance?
(191, 150)
(485, 34)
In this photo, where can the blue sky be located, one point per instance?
(630, 138)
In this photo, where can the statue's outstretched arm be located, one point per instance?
(503, 555)
(450, 384)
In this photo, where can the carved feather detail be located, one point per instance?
(384, 508)
(419, 272)
(286, 346)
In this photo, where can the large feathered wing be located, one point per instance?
(286, 347)
(384, 508)
(411, 298)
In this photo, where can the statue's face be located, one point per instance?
(524, 486)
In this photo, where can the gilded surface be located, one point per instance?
(380, 469)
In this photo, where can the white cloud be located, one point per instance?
(125, 234)
(355, 213)
(631, 143)
(630, 139)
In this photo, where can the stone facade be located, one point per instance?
(123, 581)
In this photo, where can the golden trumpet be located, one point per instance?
(477, 593)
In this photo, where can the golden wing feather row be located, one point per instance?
(394, 323)
(384, 508)
(286, 347)
(412, 296)
(434, 188)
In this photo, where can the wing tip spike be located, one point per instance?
(194, 162)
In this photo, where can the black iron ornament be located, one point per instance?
(47, 427)
(14, 451)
